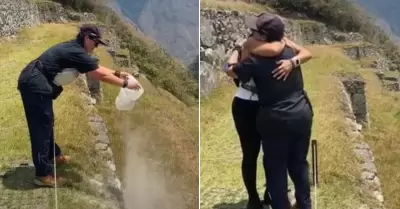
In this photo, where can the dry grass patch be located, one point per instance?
(235, 6)
(170, 135)
(382, 137)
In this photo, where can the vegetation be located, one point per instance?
(347, 16)
(342, 14)
(160, 68)
(235, 5)
(170, 135)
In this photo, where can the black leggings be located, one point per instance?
(244, 115)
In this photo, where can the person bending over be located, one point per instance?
(41, 81)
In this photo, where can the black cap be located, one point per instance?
(92, 31)
(266, 24)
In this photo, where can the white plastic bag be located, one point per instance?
(66, 76)
(127, 98)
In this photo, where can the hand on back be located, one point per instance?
(261, 48)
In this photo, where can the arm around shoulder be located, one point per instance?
(266, 49)
(303, 54)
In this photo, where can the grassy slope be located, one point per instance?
(172, 130)
(72, 124)
(220, 151)
(235, 5)
(383, 137)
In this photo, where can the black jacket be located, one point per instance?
(287, 98)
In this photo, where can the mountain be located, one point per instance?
(386, 14)
(172, 23)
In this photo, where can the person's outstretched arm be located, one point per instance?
(85, 63)
(108, 76)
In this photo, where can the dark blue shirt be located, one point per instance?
(287, 98)
(38, 76)
(70, 54)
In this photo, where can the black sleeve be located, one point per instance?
(244, 70)
(82, 61)
(237, 82)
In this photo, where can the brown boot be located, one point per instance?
(49, 181)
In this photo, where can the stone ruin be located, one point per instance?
(355, 88)
(354, 106)
(389, 82)
(376, 61)
(360, 51)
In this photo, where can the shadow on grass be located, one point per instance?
(239, 205)
(21, 177)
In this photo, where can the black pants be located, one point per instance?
(40, 118)
(244, 114)
(285, 145)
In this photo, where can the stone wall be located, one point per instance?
(359, 51)
(15, 14)
(355, 88)
(55, 13)
(107, 183)
(220, 30)
(370, 184)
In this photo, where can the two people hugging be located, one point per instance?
(271, 110)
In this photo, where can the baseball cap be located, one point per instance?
(266, 24)
(93, 31)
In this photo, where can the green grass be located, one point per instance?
(383, 137)
(338, 174)
(393, 74)
(235, 6)
(171, 137)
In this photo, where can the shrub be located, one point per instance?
(343, 15)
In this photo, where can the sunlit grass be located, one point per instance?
(235, 6)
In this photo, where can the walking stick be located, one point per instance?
(315, 161)
(315, 168)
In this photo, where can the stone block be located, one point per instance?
(15, 15)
